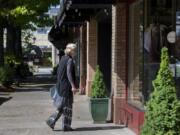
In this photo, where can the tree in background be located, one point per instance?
(162, 115)
(22, 14)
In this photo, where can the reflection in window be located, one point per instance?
(159, 21)
(150, 21)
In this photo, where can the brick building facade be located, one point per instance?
(123, 113)
(127, 67)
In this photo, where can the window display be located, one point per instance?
(153, 24)
(159, 22)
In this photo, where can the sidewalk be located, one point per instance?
(25, 114)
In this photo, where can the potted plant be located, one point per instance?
(98, 100)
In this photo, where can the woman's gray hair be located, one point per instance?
(69, 48)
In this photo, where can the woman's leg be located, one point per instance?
(67, 117)
(53, 118)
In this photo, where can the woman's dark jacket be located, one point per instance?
(65, 76)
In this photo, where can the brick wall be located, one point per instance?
(91, 53)
(119, 76)
(118, 56)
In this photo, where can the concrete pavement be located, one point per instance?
(25, 111)
(43, 71)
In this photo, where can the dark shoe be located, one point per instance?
(66, 129)
(49, 123)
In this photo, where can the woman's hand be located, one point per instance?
(74, 90)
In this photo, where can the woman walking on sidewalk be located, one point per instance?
(66, 88)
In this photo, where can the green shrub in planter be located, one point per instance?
(162, 115)
(6, 75)
(99, 100)
(98, 86)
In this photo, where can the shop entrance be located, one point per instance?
(104, 51)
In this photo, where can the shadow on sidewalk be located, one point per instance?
(37, 89)
(40, 79)
(4, 99)
(4, 94)
(34, 87)
(95, 128)
(32, 90)
(36, 83)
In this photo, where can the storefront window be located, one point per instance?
(159, 22)
(177, 49)
(153, 24)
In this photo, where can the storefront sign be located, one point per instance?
(171, 37)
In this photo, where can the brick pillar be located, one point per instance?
(83, 58)
(118, 57)
(91, 53)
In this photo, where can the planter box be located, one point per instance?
(99, 109)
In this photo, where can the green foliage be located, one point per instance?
(98, 85)
(6, 75)
(19, 68)
(11, 60)
(162, 115)
(22, 12)
(27, 37)
(47, 61)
